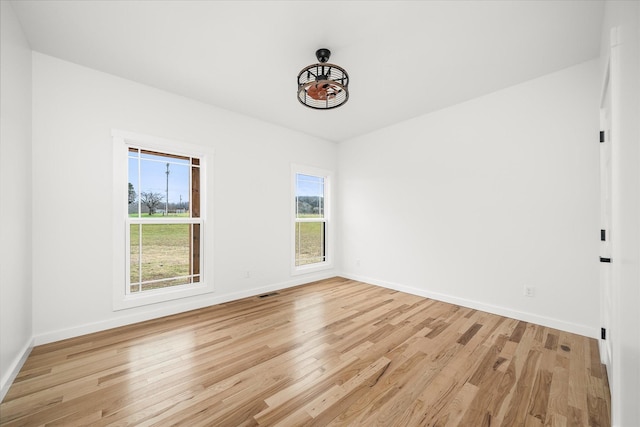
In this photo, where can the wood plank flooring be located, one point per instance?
(335, 352)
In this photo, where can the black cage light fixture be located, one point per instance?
(323, 86)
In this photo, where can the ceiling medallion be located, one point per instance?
(323, 86)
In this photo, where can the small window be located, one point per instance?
(160, 220)
(311, 219)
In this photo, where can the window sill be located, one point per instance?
(311, 268)
(123, 302)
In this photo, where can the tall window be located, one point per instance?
(163, 243)
(163, 220)
(311, 219)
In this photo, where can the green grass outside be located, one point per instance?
(309, 242)
(165, 251)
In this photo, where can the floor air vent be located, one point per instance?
(268, 295)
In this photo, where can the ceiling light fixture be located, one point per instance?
(323, 86)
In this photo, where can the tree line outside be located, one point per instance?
(151, 202)
(308, 206)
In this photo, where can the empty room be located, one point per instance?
(296, 213)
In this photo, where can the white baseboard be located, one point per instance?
(122, 318)
(502, 311)
(14, 368)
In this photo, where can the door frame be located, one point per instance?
(610, 351)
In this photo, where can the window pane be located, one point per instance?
(309, 196)
(134, 186)
(165, 251)
(163, 157)
(165, 257)
(310, 243)
(165, 283)
(195, 190)
(195, 251)
(161, 184)
(134, 254)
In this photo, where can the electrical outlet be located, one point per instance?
(247, 274)
(357, 263)
(529, 291)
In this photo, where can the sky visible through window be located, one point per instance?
(153, 177)
(308, 185)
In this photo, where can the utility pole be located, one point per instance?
(166, 200)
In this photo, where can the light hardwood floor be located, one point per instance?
(335, 352)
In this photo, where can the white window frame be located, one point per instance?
(327, 175)
(122, 298)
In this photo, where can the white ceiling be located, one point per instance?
(404, 58)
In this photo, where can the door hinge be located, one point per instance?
(603, 235)
(603, 334)
(601, 136)
(605, 259)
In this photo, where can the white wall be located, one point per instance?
(625, 329)
(75, 109)
(471, 203)
(15, 197)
